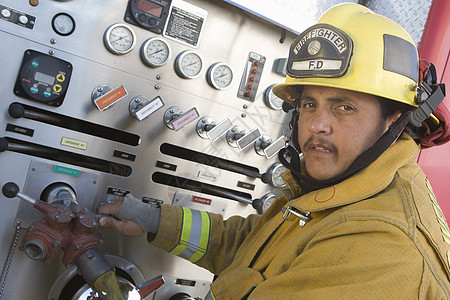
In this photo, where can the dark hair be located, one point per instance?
(390, 107)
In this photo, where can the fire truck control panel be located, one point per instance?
(169, 100)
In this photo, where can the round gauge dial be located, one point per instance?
(63, 24)
(188, 64)
(271, 99)
(119, 38)
(275, 172)
(155, 52)
(263, 204)
(267, 201)
(220, 76)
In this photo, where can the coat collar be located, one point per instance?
(367, 182)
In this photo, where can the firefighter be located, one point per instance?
(358, 218)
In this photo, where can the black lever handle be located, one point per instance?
(16, 110)
(3, 144)
(10, 190)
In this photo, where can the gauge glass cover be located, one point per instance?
(155, 52)
(119, 38)
(268, 202)
(272, 100)
(189, 64)
(220, 76)
(63, 24)
(275, 171)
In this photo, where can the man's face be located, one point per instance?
(335, 126)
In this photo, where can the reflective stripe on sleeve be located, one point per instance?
(210, 296)
(194, 237)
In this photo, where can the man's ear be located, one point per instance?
(393, 118)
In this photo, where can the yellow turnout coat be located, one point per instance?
(379, 234)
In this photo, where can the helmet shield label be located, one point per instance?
(320, 51)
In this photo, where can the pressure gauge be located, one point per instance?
(188, 64)
(274, 173)
(63, 24)
(263, 204)
(220, 76)
(271, 99)
(119, 38)
(155, 52)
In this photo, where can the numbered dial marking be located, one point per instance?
(220, 76)
(275, 172)
(155, 52)
(263, 204)
(188, 64)
(267, 201)
(119, 38)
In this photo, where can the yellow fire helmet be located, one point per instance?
(353, 48)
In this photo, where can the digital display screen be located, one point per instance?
(41, 77)
(150, 8)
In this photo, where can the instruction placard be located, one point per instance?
(185, 23)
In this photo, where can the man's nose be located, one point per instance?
(320, 121)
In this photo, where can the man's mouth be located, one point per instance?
(320, 148)
(319, 145)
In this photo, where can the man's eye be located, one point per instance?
(308, 105)
(345, 108)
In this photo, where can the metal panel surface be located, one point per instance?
(228, 36)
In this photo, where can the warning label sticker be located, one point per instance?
(185, 23)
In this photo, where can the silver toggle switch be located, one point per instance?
(103, 96)
(208, 129)
(175, 118)
(242, 140)
(274, 147)
(262, 143)
(141, 107)
(234, 134)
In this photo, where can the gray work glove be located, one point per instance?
(134, 216)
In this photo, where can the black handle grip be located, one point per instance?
(10, 190)
(3, 144)
(16, 110)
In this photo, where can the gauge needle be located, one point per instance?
(156, 52)
(120, 37)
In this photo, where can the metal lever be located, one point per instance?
(141, 107)
(11, 190)
(208, 129)
(233, 135)
(248, 139)
(175, 118)
(262, 143)
(274, 147)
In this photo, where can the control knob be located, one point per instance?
(208, 129)
(175, 118)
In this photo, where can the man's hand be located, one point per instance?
(126, 227)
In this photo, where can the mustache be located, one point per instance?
(319, 141)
